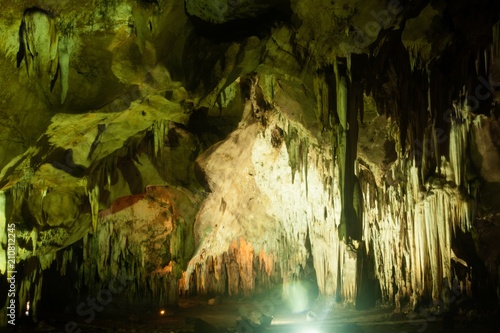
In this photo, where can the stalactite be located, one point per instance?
(64, 53)
(38, 38)
(342, 106)
(305, 158)
(159, 133)
(348, 105)
(307, 190)
(496, 38)
(424, 222)
(93, 196)
(143, 239)
(321, 90)
(458, 149)
(341, 150)
(29, 185)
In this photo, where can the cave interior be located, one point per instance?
(201, 165)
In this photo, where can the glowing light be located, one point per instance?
(162, 312)
(310, 330)
(299, 296)
(27, 308)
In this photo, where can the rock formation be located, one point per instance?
(229, 147)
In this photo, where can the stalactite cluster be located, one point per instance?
(399, 229)
(302, 150)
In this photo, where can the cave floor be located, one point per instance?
(223, 315)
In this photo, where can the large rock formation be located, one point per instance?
(229, 147)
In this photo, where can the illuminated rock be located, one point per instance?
(235, 147)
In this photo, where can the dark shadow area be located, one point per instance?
(238, 29)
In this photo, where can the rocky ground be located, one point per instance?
(220, 315)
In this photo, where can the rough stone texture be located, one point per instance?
(152, 233)
(222, 11)
(233, 146)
